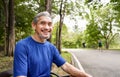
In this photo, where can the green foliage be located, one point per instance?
(101, 18)
(79, 40)
(1, 23)
(116, 4)
(69, 40)
(69, 43)
(72, 40)
(55, 29)
(23, 16)
(92, 35)
(107, 16)
(66, 56)
(55, 6)
(98, 16)
(115, 44)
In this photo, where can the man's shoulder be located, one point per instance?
(24, 41)
(50, 44)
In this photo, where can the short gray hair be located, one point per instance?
(44, 13)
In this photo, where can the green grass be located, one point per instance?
(66, 56)
(5, 63)
(59, 71)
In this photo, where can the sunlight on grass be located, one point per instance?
(59, 71)
(6, 63)
(66, 56)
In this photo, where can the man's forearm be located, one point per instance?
(70, 69)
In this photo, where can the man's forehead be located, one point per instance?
(45, 18)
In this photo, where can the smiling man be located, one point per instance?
(34, 55)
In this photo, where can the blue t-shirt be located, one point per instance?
(34, 59)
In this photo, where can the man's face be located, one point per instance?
(44, 27)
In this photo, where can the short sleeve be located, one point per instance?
(20, 60)
(57, 58)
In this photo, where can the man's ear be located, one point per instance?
(33, 26)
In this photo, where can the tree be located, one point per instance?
(2, 25)
(5, 5)
(11, 29)
(48, 7)
(106, 19)
(92, 34)
(104, 16)
(62, 14)
(116, 4)
(23, 17)
(63, 33)
(9, 26)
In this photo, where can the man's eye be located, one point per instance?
(42, 23)
(50, 24)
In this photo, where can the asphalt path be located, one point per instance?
(97, 63)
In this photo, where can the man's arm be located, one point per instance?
(73, 71)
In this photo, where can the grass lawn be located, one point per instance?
(5, 62)
(59, 71)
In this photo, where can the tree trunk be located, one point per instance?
(62, 14)
(5, 4)
(57, 30)
(107, 44)
(48, 4)
(11, 28)
(60, 31)
(107, 38)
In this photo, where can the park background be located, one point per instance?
(75, 22)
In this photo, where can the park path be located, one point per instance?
(99, 64)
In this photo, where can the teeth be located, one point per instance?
(46, 32)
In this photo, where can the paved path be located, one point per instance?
(99, 64)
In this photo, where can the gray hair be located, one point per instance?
(44, 13)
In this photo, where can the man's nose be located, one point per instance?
(47, 26)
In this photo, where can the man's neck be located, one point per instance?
(38, 39)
